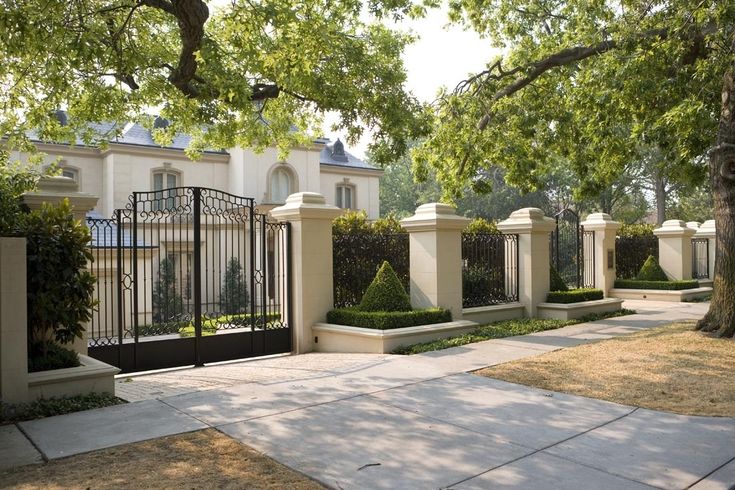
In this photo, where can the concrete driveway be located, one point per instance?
(422, 422)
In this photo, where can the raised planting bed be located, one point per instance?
(660, 285)
(343, 338)
(676, 296)
(493, 313)
(92, 376)
(386, 320)
(570, 311)
(574, 295)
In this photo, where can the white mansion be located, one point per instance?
(134, 162)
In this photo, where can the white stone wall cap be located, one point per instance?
(694, 225)
(600, 221)
(435, 216)
(305, 205)
(674, 228)
(707, 230)
(527, 220)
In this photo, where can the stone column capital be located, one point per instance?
(706, 230)
(600, 221)
(305, 205)
(674, 228)
(435, 216)
(527, 220)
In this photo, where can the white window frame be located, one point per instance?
(339, 195)
(293, 182)
(165, 173)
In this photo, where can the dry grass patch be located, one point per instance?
(203, 459)
(670, 368)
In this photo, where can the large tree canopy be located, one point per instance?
(591, 82)
(240, 72)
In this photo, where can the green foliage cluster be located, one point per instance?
(651, 271)
(49, 407)
(14, 182)
(385, 320)
(556, 282)
(168, 306)
(385, 293)
(54, 357)
(481, 225)
(506, 328)
(60, 288)
(234, 297)
(356, 222)
(636, 230)
(663, 285)
(211, 325)
(574, 295)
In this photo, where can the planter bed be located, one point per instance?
(656, 285)
(570, 311)
(660, 294)
(387, 320)
(92, 376)
(342, 338)
(493, 313)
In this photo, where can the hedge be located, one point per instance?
(385, 293)
(386, 320)
(574, 295)
(651, 271)
(663, 285)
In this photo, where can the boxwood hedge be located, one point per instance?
(574, 295)
(664, 285)
(386, 320)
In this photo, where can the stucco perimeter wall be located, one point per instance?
(494, 313)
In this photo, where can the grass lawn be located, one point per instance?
(671, 368)
(203, 459)
(506, 328)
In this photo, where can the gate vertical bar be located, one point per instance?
(119, 282)
(251, 221)
(580, 252)
(264, 267)
(289, 289)
(196, 196)
(134, 266)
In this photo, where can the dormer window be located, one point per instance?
(338, 151)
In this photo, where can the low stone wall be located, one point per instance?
(342, 338)
(92, 376)
(660, 294)
(571, 311)
(493, 313)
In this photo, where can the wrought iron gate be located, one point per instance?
(189, 275)
(568, 244)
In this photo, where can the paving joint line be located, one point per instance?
(712, 472)
(33, 443)
(547, 447)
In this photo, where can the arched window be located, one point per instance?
(164, 179)
(282, 183)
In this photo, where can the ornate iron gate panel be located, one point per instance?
(567, 247)
(700, 258)
(186, 276)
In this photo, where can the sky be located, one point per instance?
(440, 57)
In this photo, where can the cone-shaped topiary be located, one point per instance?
(557, 283)
(651, 271)
(385, 293)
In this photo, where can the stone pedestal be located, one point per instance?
(603, 251)
(311, 262)
(675, 249)
(707, 230)
(53, 190)
(533, 230)
(436, 257)
(13, 321)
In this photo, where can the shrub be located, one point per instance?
(637, 230)
(234, 297)
(357, 222)
(55, 357)
(481, 225)
(664, 285)
(557, 283)
(167, 302)
(49, 407)
(385, 293)
(651, 271)
(386, 320)
(60, 287)
(574, 295)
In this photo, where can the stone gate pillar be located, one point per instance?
(533, 230)
(435, 238)
(603, 251)
(311, 262)
(675, 249)
(13, 321)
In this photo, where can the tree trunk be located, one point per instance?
(721, 315)
(660, 186)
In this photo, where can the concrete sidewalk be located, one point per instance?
(420, 421)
